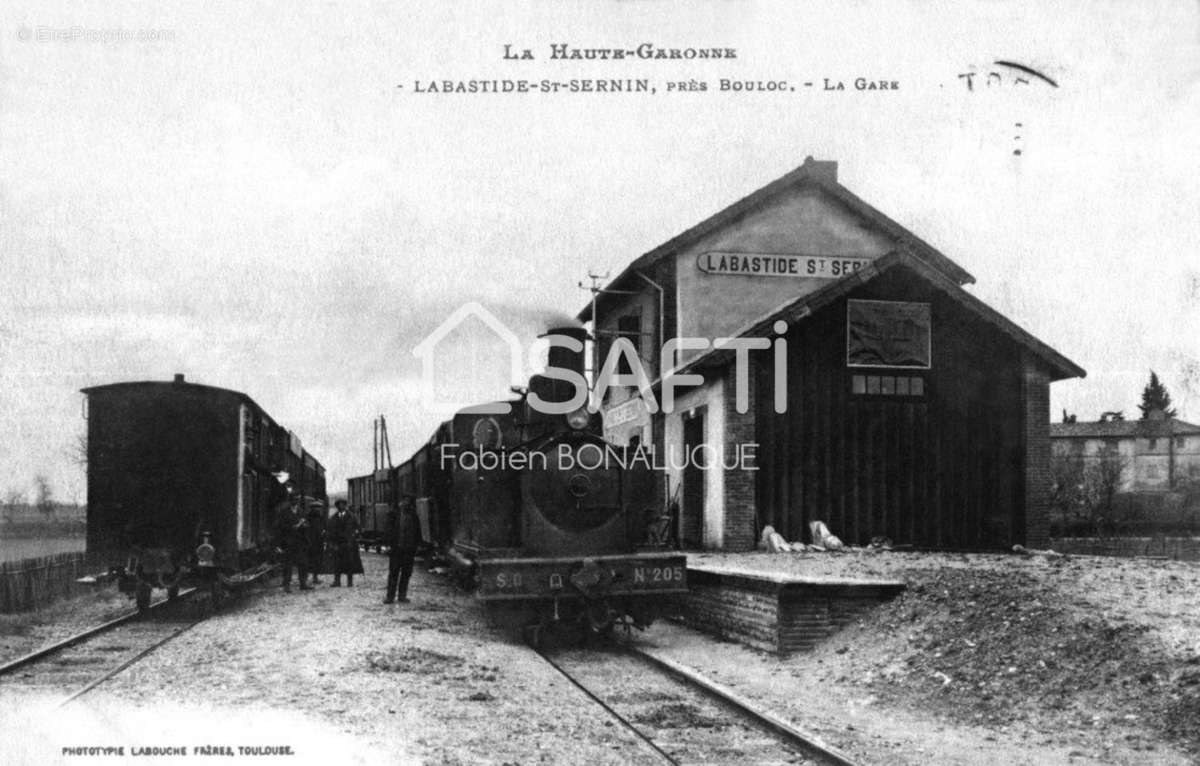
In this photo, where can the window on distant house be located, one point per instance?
(1152, 444)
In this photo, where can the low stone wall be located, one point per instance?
(776, 613)
(1179, 548)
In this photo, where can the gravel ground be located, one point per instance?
(985, 659)
(991, 658)
(334, 673)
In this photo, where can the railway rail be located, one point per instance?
(682, 717)
(87, 659)
(90, 657)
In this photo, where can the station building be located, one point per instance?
(909, 409)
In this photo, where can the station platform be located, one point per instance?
(781, 612)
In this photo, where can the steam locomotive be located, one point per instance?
(183, 480)
(536, 512)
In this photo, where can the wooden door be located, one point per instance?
(693, 482)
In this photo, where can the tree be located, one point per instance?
(78, 451)
(1083, 491)
(1155, 397)
(13, 499)
(1102, 481)
(45, 495)
(1066, 493)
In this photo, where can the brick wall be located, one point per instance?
(772, 615)
(745, 616)
(741, 513)
(1035, 406)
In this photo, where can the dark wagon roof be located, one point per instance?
(177, 383)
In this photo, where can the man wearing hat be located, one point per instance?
(402, 534)
(343, 539)
(291, 538)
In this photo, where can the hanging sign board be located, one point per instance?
(626, 412)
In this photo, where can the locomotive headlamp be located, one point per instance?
(205, 554)
(578, 419)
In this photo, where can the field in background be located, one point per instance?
(27, 532)
(17, 548)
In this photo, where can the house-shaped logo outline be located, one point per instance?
(425, 352)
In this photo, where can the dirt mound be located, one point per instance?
(992, 648)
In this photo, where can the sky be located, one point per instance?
(259, 198)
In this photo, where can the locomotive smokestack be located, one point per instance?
(562, 357)
(179, 377)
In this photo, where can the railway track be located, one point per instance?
(683, 718)
(78, 664)
(89, 658)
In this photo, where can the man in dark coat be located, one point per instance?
(343, 539)
(402, 534)
(291, 538)
(315, 537)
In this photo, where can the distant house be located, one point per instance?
(1156, 454)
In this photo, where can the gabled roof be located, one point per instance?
(796, 310)
(1116, 429)
(813, 173)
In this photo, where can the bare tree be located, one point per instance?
(1066, 489)
(45, 495)
(79, 449)
(1101, 483)
(1189, 506)
(13, 499)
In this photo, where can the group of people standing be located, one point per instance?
(311, 543)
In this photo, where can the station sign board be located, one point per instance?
(797, 265)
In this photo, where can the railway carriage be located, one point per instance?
(183, 480)
(369, 497)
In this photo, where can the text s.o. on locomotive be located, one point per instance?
(183, 480)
